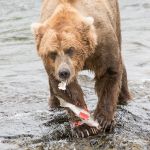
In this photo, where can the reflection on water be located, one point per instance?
(136, 45)
(23, 81)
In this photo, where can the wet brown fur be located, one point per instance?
(103, 58)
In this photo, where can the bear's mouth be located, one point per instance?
(65, 79)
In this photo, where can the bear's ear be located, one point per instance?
(89, 21)
(38, 30)
(90, 31)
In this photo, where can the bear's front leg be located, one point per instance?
(73, 94)
(107, 87)
(53, 101)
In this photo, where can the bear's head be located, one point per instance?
(64, 41)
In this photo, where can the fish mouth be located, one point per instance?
(62, 85)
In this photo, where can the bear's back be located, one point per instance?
(104, 12)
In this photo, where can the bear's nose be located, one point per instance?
(64, 74)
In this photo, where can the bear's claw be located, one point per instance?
(107, 125)
(84, 131)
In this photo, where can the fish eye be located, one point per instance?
(52, 55)
(70, 51)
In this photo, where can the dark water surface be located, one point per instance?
(24, 87)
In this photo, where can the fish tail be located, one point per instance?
(62, 102)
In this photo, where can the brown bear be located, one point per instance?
(83, 34)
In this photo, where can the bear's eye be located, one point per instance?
(70, 51)
(52, 55)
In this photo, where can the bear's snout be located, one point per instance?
(64, 74)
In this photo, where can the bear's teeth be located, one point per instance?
(62, 85)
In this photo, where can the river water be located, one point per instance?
(24, 87)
